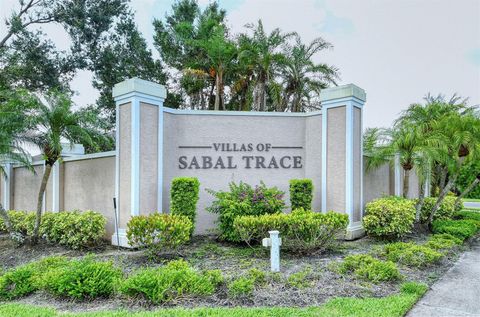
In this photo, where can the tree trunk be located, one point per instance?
(406, 182)
(443, 178)
(217, 92)
(43, 186)
(467, 190)
(6, 219)
(441, 197)
(421, 199)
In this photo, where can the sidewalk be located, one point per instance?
(457, 293)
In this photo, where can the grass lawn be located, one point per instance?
(390, 306)
(473, 200)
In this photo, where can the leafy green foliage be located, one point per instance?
(462, 229)
(301, 230)
(158, 231)
(411, 254)
(22, 222)
(389, 217)
(369, 268)
(184, 197)
(241, 287)
(442, 242)
(467, 215)
(468, 173)
(244, 200)
(301, 193)
(166, 283)
(445, 212)
(300, 279)
(74, 229)
(26, 279)
(82, 279)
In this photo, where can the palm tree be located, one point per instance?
(49, 124)
(262, 52)
(457, 137)
(302, 77)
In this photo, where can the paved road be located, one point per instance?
(457, 293)
(471, 204)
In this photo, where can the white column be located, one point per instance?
(351, 98)
(56, 187)
(7, 184)
(398, 176)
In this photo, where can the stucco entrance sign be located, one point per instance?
(156, 144)
(256, 156)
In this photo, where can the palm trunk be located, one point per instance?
(466, 191)
(6, 219)
(418, 207)
(219, 89)
(406, 182)
(43, 186)
(443, 178)
(441, 197)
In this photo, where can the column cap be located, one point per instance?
(344, 91)
(137, 85)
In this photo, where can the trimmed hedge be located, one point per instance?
(462, 229)
(301, 230)
(411, 254)
(368, 268)
(73, 229)
(244, 200)
(166, 283)
(184, 198)
(389, 217)
(158, 231)
(301, 193)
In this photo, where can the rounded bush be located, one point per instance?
(445, 212)
(159, 231)
(389, 217)
(74, 229)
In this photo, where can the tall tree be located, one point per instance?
(48, 124)
(303, 78)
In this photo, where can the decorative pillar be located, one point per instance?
(7, 186)
(56, 187)
(342, 154)
(398, 176)
(139, 150)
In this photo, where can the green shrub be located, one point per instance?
(389, 217)
(81, 279)
(368, 268)
(462, 229)
(74, 229)
(445, 212)
(301, 230)
(442, 242)
(244, 200)
(158, 231)
(163, 284)
(259, 277)
(410, 254)
(300, 278)
(26, 279)
(467, 215)
(413, 288)
(22, 222)
(184, 197)
(241, 287)
(301, 193)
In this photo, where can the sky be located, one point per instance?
(396, 50)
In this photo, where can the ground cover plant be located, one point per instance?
(411, 254)
(367, 267)
(164, 284)
(462, 229)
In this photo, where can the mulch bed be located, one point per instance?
(233, 260)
